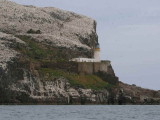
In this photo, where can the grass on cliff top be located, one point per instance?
(85, 81)
(39, 52)
(33, 50)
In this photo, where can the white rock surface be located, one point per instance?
(57, 26)
(6, 53)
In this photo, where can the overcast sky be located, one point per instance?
(129, 35)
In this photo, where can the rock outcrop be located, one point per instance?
(137, 95)
(58, 27)
(35, 46)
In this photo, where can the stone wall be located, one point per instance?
(85, 67)
(93, 67)
(81, 67)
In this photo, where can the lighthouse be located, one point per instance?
(97, 53)
(96, 57)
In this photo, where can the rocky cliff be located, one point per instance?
(35, 47)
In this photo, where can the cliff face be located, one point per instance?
(26, 79)
(35, 46)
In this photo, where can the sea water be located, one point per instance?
(77, 112)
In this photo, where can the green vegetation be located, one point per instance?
(34, 50)
(39, 52)
(85, 81)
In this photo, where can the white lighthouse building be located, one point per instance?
(95, 59)
(97, 53)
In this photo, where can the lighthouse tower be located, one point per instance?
(97, 53)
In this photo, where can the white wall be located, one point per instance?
(84, 60)
(97, 55)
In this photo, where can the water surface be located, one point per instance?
(76, 112)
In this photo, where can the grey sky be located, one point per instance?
(129, 35)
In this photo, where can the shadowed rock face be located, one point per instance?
(33, 39)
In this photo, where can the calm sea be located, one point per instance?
(88, 112)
